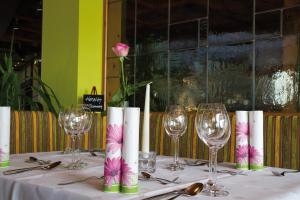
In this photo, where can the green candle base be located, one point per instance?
(4, 163)
(129, 190)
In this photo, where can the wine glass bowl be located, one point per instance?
(213, 128)
(175, 124)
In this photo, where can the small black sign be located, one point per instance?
(95, 102)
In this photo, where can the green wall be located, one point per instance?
(90, 45)
(72, 47)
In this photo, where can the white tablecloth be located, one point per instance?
(35, 185)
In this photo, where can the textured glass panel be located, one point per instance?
(267, 24)
(153, 67)
(230, 20)
(152, 26)
(277, 74)
(291, 2)
(128, 36)
(188, 77)
(184, 35)
(188, 9)
(268, 56)
(230, 76)
(291, 21)
(203, 31)
(129, 68)
(262, 5)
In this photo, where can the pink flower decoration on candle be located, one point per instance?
(242, 152)
(121, 50)
(254, 155)
(242, 130)
(114, 137)
(112, 171)
(126, 173)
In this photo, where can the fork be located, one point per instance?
(102, 177)
(80, 180)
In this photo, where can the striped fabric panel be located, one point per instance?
(39, 131)
(33, 131)
(281, 140)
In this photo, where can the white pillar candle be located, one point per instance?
(4, 136)
(114, 139)
(146, 124)
(256, 147)
(130, 150)
(242, 140)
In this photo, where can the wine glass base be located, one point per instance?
(214, 191)
(175, 167)
(75, 165)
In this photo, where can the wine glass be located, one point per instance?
(175, 124)
(74, 123)
(213, 128)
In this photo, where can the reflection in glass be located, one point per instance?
(203, 31)
(152, 26)
(230, 20)
(187, 10)
(129, 29)
(267, 24)
(164, 36)
(291, 21)
(153, 67)
(262, 5)
(277, 78)
(188, 77)
(230, 76)
(277, 91)
(184, 35)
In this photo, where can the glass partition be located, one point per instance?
(242, 53)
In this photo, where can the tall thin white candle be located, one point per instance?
(146, 126)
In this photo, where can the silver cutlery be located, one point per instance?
(102, 177)
(191, 190)
(40, 167)
(233, 173)
(277, 173)
(32, 159)
(195, 162)
(147, 176)
(80, 180)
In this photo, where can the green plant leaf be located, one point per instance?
(1, 69)
(132, 88)
(116, 99)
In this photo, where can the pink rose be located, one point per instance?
(121, 49)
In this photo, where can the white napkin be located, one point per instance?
(4, 136)
(242, 140)
(130, 150)
(256, 147)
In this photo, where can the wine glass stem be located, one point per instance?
(176, 148)
(213, 152)
(79, 145)
(73, 138)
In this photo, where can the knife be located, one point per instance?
(42, 167)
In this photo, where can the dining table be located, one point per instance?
(45, 184)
